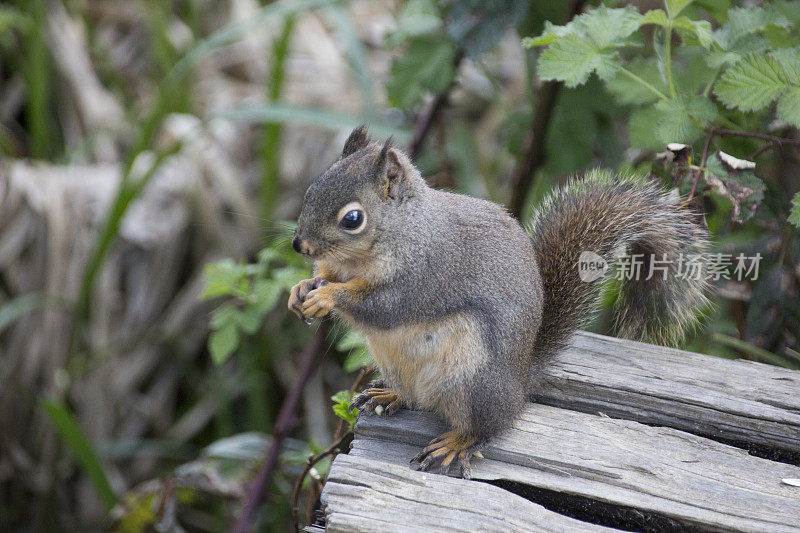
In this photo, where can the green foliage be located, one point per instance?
(671, 97)
(794, 217)
(255, 290)
(341, 407)
(69, 431)
(758, 80)
(426, 66)
(358, 355)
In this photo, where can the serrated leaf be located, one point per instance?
(794, 216)
(789, 106)
(744, 21)
(753, 83)
(702, 109)
(603, 27)
(654, 16)
(699, 29)
(222, 342)
(628, 91)
(674, 7)
(250, 319)
(427, 65)
(789, 58)
(573, 59)
(748, 44)
(641, 130)
(676, 124)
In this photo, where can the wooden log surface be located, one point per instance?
(734, 400)
(569, 459)
(663, 473)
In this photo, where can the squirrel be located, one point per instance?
(461, 306)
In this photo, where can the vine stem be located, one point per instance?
(643, 83)
(333, 449)
(287, 418)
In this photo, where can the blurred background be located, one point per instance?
(153, 154)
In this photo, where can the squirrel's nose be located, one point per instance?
(296, 245)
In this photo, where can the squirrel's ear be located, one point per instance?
(391, 171)
(357, 139)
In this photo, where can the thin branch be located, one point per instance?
(333, 449)
(287, 418)
(533, 147)
(780, 141)
(764, 148)
(425, 121)
(702, 165)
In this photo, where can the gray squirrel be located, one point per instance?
(459, 304)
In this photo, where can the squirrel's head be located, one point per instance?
(347, 207)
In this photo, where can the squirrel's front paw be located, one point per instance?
(320, 301)
(374, 398)
(299, 293)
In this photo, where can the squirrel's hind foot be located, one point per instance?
(452, 446)
(373, 398)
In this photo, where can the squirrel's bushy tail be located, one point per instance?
(618, 217)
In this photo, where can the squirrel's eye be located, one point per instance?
(352, 219)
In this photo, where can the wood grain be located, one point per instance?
(695, 481)
(735, 400)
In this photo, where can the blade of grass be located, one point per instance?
(281, 113)
(69, 431)
(270, 147)
(14, 308)
(167, 99)
(36, 71)
(760, 353)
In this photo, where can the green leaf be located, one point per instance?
(745, 21)
(69, 431)
(357, 359)
(426, 66)
(753, 83)
(573, 59)
(748, 44)
(476, 25)
(603, 27)
(417, 17)
(641, 130)
(341, 407)
(698, 29)
(678, 122)
(789, 58)
(789, 106)
(628, 91)
(222, 342)
(674, 7)
(655, 16)
(794, 216)
(351, 339)
(266, 293)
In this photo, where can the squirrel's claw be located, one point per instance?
(373, 397)
(319, 302)
(299, 293)
(444, 449)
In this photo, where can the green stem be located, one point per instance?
(760, 353)
(710, 83)
(271, 142)
(643, 83)
(668, 59)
